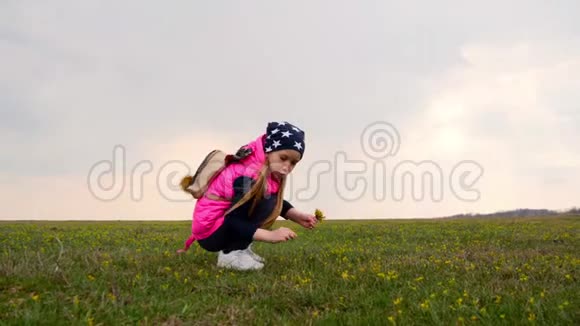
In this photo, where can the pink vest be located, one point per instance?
(208, 214)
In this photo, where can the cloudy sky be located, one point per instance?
(482, 98)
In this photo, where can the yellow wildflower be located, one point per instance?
(112, 297)
(319, 215)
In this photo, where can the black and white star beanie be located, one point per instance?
(284, 135)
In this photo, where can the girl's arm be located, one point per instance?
(275, 236)
(302, 218)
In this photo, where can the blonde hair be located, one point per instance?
(256, 193)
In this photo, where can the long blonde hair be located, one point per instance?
(256, 193)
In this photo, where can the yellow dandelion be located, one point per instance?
(35, 297)
(392, 275)
(391, 319)
(319, 215)
(112, 297)
(90, 277)
(398, 301)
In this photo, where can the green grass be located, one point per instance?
(444, 272)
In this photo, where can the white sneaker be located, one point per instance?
(238, 259)
(254, 255)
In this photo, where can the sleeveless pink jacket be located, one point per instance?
(208, 214)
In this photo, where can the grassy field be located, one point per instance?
(403, 272)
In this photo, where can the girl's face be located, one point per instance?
(282, 162)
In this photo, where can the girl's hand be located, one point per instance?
(307, 220)
(282, 234)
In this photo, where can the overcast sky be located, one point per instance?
(491, 89)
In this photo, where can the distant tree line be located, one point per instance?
(523, 212)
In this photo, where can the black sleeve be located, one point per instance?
(242, 185)
(285, 208)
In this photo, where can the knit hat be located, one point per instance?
(284, 135)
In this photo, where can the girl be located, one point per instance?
(244, 200)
